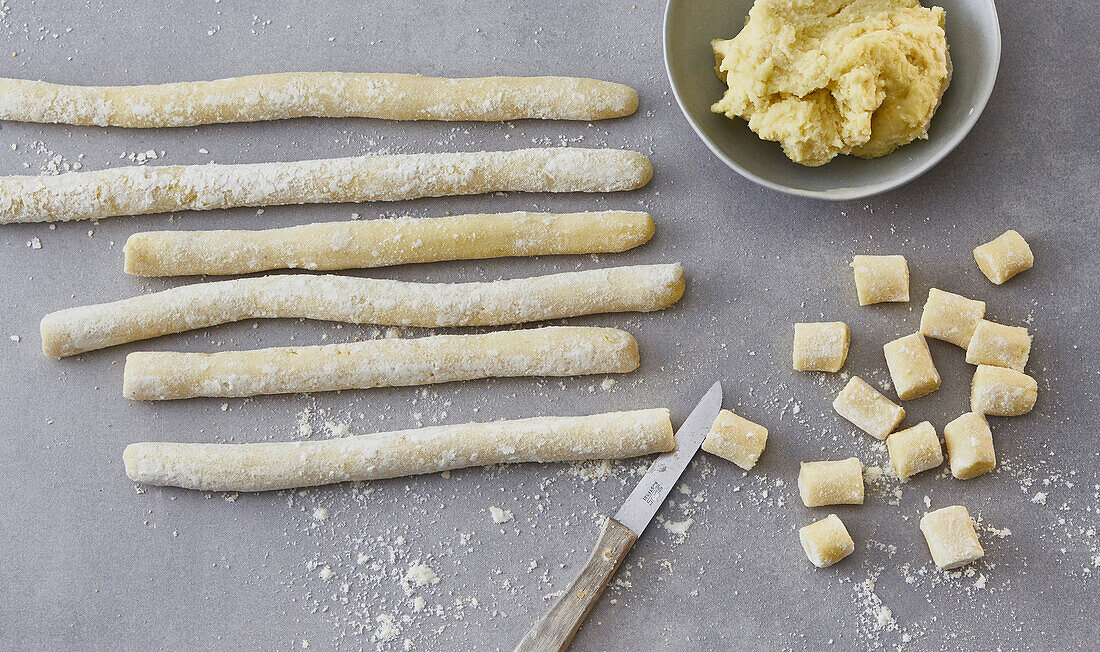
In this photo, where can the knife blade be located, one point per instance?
(555, 631)
(646, 499)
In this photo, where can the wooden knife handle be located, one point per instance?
(556, 629)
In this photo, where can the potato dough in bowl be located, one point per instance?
(829, 77)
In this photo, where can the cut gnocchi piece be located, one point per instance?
(881, 278)
(827, 541)
(1004, 257)
(951, 537)
(914, 450)
(867, 409)
(999, 345)
(950, 317)
(969, 446)
(911, 367)
(736, 439)
(1002, 392)
(820, 346)
(838, 482)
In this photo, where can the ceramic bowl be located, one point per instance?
(974, 43)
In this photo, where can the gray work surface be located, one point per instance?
(92, 562)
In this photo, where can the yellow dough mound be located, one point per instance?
(828, 77)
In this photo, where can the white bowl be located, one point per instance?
(973, 40)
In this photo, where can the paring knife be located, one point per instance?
(556, 629)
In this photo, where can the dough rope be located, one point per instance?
(384, 242)
(140, 190)
(316, 94)
(287, 465)
(349, 299)
(551, 351)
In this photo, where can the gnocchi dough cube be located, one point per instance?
(881, 278)
(736, 439)
(914, 450)
(950, 317)
(911, 367)
(951, 537)
(867, 409)
(1002, 392)
(1005, 257)
(999, 345)
(821, 346)
(969, 446)
(827, 541)
(837, 482)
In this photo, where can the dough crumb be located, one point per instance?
(678, 527)
(421, 575)
(884, 616)
(387, 629)
(500, 515)
(337, 429)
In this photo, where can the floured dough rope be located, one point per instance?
(285, 465)
(362, 301)
(139, 190)
(318, 94)
(383, 242)
(552, 351)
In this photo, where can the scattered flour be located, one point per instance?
(305, 429)
(591, 470)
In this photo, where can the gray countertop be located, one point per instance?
(93, 562)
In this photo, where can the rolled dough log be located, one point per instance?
(285, 465)
(552, 351)
(355, 300)
(139, 190)
(380, 243)
(317, 94)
